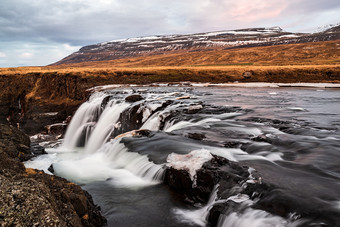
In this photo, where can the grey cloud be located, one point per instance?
(83, 22)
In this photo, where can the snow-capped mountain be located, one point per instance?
(152, 45)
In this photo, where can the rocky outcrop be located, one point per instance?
(216, 171)
(14, 143)
(32, 198)
(238, 183)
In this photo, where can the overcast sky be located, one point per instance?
(40, 32)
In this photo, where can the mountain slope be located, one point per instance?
(156, 45)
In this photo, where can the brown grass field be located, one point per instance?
(306, 62)
(64, 87)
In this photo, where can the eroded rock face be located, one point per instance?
(32, 198)
(14, 143)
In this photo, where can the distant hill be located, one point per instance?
(220, 40)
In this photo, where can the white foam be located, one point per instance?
(105, 126)
(254, 218)
(42, 162)
(185, 124)
(297, 109)
(85, 114)
(198, 216)
(112, 162)
(153, 122)
(239, 198)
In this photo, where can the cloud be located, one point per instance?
(33, 54)
(2, 55)
(26, 55)
(82, 22)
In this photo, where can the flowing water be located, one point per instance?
(290, 135)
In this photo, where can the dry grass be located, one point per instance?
(320, 53)
(308, 62)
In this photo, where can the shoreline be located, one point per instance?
(27, 93)
(234, 84)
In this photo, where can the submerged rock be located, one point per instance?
(196, 136)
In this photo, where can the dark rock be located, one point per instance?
(104, 102)
(14, 142)
(194, 109)
(232, 144)
(51, 169)
(132, 118)
(217, 170)
(36, 149)
(133, 98)
(143, 132)
(247, 75)
(260, 138)
(32, 198)
(196, 136)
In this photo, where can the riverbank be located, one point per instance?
(31, 197)
(29, 95)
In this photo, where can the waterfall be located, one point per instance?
(198, 217)
(91, 128)
(105, 126)
(87, 113)
(139, 165)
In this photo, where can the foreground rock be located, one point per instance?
(32, 198)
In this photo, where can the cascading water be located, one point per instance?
(85, 116)
(109, 149)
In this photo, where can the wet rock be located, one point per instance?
(134, 98)
(132, 118)
(36, 149)
(105, 102)
(194, 109)
(217, 170)
(183, 97)
(260, 138)
(196, 136)
(56, 129)
(135, 133)
(51, 168)
(232, 144)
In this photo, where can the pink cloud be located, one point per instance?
(250, 11)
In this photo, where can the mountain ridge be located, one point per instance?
(226, 39)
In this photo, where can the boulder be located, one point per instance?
(134, 98)
(211, 173)
(14, 143)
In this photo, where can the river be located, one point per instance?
(290, 135)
